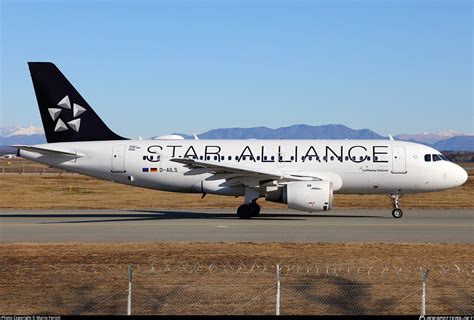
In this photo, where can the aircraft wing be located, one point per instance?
(48, 152)
(238, 170)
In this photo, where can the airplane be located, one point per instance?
(304, 174)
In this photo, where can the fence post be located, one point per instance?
(424, 275)
(129, 300)
(278, 275)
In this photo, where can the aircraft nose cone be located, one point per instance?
(464, 176)
(460, 176)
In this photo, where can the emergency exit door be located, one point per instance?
(399, 160)
(118, 158)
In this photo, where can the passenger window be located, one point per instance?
(215, 157)
(230, 158)
(427, 157)
(368, 158)
(332, 158)
(436, 158)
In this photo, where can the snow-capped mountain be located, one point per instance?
(431, 138)
(21, 135)
(20, 131)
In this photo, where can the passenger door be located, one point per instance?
(118, 158)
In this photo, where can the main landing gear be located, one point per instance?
(247, 211)
(250, 208)
(396, 212)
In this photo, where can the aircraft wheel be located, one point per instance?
(397, 213)
(244, 211)
(255, 209)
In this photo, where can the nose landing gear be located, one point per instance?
(396, 212)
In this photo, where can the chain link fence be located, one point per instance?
(22, 166)
(240, 289)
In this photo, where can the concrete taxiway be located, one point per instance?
(353, 225)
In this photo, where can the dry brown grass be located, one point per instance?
(71, 255)
(74, 278)
(81, 192)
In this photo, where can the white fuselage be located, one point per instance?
(354, 166)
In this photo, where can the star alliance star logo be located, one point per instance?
(77, 110)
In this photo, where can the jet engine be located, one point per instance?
(309, 196)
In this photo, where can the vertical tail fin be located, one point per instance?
(66, 116)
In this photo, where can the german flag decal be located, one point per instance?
(153, 169)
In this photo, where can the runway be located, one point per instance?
(343, 225)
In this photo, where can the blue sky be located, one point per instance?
(157, 67)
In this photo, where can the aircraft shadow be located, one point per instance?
(149, 215)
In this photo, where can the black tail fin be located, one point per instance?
(66, 115)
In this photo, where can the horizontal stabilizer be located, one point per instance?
(48, 152)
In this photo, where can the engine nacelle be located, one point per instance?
(309, 196)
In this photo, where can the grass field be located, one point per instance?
(34, 191)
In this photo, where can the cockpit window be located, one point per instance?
(443, 157)
(436, 157)
(427, 157)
